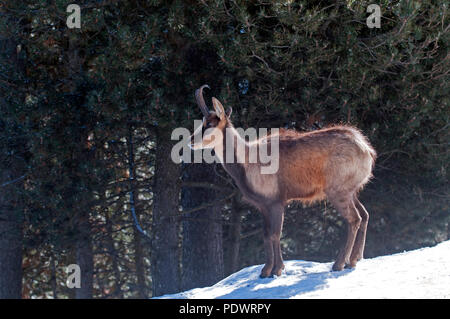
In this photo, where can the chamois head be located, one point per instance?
(213, 124)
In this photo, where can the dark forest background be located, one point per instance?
(86, 117)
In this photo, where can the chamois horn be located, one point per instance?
(201, 101)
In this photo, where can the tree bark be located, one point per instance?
(165, 243)
(85, 258)
(10, 243)
(202, 231)
(12, 170)
(53, 278)
(118, 293)
(139, 264)
(235, 238)
(138, 253)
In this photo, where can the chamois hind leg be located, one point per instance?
(273, 222)
(345, 206)
(358, 247)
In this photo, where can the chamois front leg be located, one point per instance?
(273, 223)
(277, 215)
(268, 246)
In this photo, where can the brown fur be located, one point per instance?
(333, 163)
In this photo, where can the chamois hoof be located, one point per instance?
(277, 271)
(349, 266)
(338, 267)
(265, 272)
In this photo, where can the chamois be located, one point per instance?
(333, 163)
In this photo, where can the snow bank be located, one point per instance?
(422, 273)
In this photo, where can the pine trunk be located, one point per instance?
(235, 238)
(139, 264)
(85, 259)
(202, 230)
(138, 252)
(165, 248)
(10, 244)
(12, 170)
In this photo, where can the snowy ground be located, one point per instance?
(422, 273)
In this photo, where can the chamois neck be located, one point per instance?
(233, 163)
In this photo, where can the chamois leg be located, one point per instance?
(268, 247)
(346, 207)
(277, 213)
(358, 247)
(273, 222)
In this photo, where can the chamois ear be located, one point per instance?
(229, 111)
(218, 107)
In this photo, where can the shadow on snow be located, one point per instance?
(298, 278)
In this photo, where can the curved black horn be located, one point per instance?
(201, 101)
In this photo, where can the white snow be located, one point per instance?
(421, 273)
